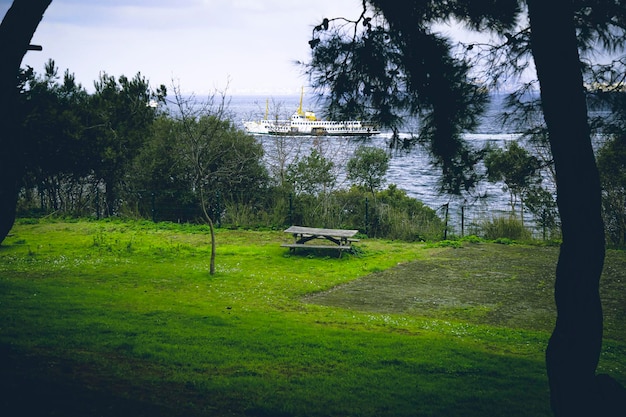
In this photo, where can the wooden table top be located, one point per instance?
(321, 232)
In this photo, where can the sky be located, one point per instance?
(202, 46)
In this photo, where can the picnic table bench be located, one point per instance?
(341, 239)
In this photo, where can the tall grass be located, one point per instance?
(505, 228)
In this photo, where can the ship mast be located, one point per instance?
(300, 111)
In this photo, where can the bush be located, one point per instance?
(505, 228)
(398, 216)
(390, 214)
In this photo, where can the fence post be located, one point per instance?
(97, 203)
(463, 220)
(367, 216)
(153, 206)
(445, 230)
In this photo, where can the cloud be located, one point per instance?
(199, 42)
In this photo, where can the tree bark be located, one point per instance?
(574, 348)
(16, 31)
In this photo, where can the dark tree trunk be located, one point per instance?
(110, 196)
(574, 348)
(16, 32)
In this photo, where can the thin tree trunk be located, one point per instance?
(212, 231)
(16, 31)
(574, 348)
(521, 208)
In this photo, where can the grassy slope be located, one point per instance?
(123, 319)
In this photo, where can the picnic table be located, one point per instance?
(341, 239)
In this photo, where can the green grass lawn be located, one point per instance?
(123, 319)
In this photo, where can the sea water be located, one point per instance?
(411, 171)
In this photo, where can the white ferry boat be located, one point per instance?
(306, 123)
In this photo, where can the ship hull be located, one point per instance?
(310, 128)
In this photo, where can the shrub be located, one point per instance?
(398, 216)
(505, 227)
(389, 214)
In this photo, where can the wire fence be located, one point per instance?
(371, 217)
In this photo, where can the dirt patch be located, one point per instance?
(501, 285)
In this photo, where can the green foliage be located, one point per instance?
(312, 174)
(398, 216)
(161, 185)
(611, 160)
(237, 214)
(448, 244)
(81, 146)
(515, 167)
(58, 156)
(193, 162)
(471, 239)
(390, 214)
(368, 167)
(225, 159)
(505, 228)
(122, 118)
(542, 206)
(388, 67)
